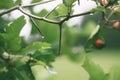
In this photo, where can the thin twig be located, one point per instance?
(60, 16)
(50, 12)
(81, 14)
(36, 26)
(37, 17)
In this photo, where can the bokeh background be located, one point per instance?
(75, 33)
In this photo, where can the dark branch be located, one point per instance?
(81, 14)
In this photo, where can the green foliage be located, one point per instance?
(18, 2)
(114, 73)
(62, 9)
(68, 2)
(98, 9)
(18, 55)
(34, 1)
(98, 33)
(16, 26)
(95, 71)
(6, 4)
(3, 24)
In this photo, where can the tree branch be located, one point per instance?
(37, 17)
(37, 3)
(24, 6)
(81, 14)
(9, 10)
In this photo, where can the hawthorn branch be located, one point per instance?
(37, 3)
(9, 10)
(81, 14)
(24, 6)
(37, 17)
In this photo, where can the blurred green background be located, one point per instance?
(68, 66)
(68, 70)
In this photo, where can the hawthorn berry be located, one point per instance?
(99, 43)
(116, 25)
(104, 2)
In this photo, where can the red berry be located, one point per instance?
(104, 2)
(99, 43)
(116, 25)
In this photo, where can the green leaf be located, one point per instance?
(50, 31)
(114, 73)
(3, 24)
(34, 1)
(12, 41)
(2, 64)
(96, 30)
(95, 72)
(62, 9)
(45, 56)
(15, 44)
(98, 9)
(36, 46)
(18, 74)
(16, 26)
(6, 4)
(68, 2)
(2, 42)
(18, 2)
(98, 33)
(26, 72)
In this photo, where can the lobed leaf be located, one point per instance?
(35, 46)
(16, 26)
(95, 71)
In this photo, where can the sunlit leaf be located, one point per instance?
(16, 26)
(6, 4)
(95, 71)
(12, 41)
(45, 56)
(68, 2)
(98, 9)
(114, 73)
(62, 9)
(36, 46)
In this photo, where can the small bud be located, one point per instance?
(116, 25)
(104, 3)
